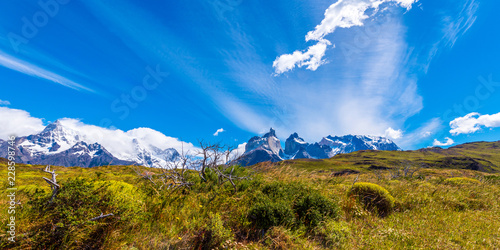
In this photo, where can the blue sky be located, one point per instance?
(415, 71)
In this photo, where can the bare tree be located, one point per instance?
(52, 182)
(223, 164)
(145, 175)
(213, 158)
(406, 169)
(355, 180)
(205, 149)
(174, 173)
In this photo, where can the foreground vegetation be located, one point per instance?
(281, 206)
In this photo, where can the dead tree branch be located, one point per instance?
(406, 169)
(174, 173)
(146, 175)
(214, 159)
(52, 182)
(102, 216)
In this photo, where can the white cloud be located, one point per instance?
(121, 144)
(240, 150)
(312, 58)
(346, 14)
(473, 122)
(342, 14)
(2, 102)
(363, 95)
(218, 131)
(448, 142)
(27, 68)
(18, 122)
(393, 134)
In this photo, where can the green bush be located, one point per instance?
(268, 214)
(218, 232)
(280, 238)
(459, 181)
(313, 208)
(333, 234)
(289, 203)
(284, 191)
(493, 179)
(124, 197)
(374, 197)
(78, 201)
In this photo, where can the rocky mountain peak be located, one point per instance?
(268, 147)
(260, 149)
(271, 133)
(61, 145)
(294, 143)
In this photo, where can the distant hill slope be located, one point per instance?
(480, 156)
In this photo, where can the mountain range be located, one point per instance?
(268, 147)
(62, 145)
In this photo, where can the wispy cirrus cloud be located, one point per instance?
(457, 26)
(342, 14)
(30, 69)
(6, 103)
(424, 132)
(370, 92)
(363, 95)
(454, 24)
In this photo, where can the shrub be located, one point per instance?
(284, 191)
(286, 203)
(333, 234)
(374, 197)
(493, 179)
(455, 205)
(280, 238)
(214, 235)
(268, 214)
(314, 208)
(124, 197)
(459, 181)
(79, 200)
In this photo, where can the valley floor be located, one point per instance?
(429, 211)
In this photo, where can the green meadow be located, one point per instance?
(424, 199)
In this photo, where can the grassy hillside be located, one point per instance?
(480, 156)
(290, 205)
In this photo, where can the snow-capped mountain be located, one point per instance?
(350, 143)
(268, 147)
(60, 143)
(260, 149)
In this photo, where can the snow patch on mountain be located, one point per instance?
(268, 147)
(142, 146)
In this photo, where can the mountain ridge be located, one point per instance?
(268, 147)
(58, 144)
